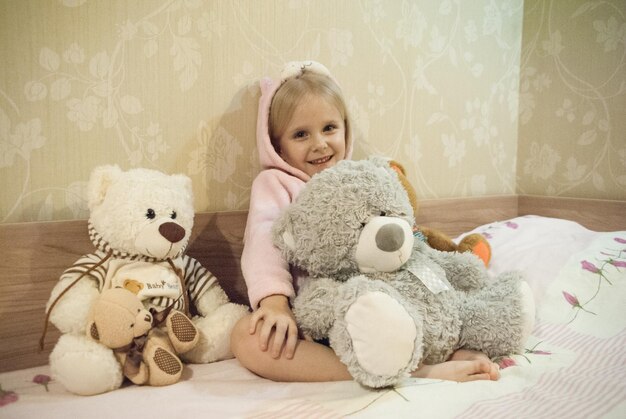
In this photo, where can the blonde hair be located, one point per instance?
(290, 94)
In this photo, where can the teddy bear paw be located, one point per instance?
(182, 332)
(139, 375)
(478, 245)
(382, 332)
(165, 368)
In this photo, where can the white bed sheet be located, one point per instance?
(575, 367)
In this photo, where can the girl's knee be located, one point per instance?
(245, 347)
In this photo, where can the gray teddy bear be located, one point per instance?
(386, 300)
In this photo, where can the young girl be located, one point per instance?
(302, 128)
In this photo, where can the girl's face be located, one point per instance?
(315, 137)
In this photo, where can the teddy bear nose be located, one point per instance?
(390, 237)
(172, 232)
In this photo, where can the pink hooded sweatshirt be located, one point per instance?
(265, 270)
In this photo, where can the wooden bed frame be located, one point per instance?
(35, 254)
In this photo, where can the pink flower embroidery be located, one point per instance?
(537, 351)
(571, 299)
(588, 266)
(511, 224)
(7, 397)
(611, 257)
(618, 263)
(42, 379)
(507, 362)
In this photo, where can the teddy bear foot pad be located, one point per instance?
(378, 325)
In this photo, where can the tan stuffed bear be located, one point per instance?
(119, 321)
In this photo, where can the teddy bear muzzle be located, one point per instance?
(161, 240)
(384, 245)
(143, 323)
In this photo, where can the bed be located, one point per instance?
(574, 364)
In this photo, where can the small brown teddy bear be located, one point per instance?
(475, 243)
(147, 353)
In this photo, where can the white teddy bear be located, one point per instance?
(140, 223)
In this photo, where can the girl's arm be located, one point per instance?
(263, 266)
(267, 275)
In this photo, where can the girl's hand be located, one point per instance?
(275, 313)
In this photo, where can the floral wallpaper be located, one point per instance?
(475, 98)
(572, 105)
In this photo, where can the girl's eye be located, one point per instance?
(329, 128)
(299, 134)
(150, 214)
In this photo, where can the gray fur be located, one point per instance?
(325, 222)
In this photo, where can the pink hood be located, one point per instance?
(268, 157)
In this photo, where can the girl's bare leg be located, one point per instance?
(313, 362)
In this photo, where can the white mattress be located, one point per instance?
(578, 368)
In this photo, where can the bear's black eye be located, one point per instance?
(150, 214)
(132, 325)
(173, 216)
(383, 214)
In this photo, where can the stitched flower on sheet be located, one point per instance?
(615, 258)
(7, 397)
(506, 362)
(42, 379)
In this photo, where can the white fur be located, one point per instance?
(119, 203)
(70, 312)
(295, 68)
(99, 182)
(84, 366)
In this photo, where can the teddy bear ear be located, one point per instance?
(296, 68)
(185, 182)
(288, 240)
(282, 234)
(101, 178)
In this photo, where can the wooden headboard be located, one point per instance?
(35, 254)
